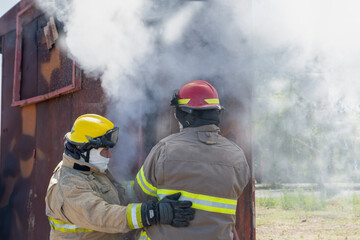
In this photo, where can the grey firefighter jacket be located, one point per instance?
(85, 204)
(207, 169)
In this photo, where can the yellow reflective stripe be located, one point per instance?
(133, 215)
(192, 83)
(212, 101)
(184, 101)
(66, 227)
(144, 236)
(145, 185)
(204, 202)
(129, 188)
(199, 196)
(154, 189)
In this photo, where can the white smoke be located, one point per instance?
(142, 50)
(327, 30)
(309, 48)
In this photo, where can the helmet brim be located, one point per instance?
(203, 107)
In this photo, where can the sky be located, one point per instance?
(6, 5)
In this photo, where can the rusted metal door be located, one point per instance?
(36, 113)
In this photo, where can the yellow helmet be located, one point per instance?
(92, 131)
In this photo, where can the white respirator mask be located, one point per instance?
(97, 160)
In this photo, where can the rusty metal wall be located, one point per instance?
(32, 135)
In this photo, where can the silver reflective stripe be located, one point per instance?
(133, 216)
(129, 189)
(67, 226)
(204, 202)
(144, 184)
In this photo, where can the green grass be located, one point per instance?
(300, 214)
(269, 202)
(299, 200)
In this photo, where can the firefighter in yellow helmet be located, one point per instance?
(205, 167)
(84, 201)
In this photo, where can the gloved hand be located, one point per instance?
(168, 211)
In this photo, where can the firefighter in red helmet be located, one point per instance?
(205, 167)
(84, 201)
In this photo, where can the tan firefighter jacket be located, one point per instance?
(83, 203)
(207, 169)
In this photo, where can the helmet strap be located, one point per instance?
(87, 156)
(74, 152)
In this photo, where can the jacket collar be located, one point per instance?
(205, 128)
(71, 162)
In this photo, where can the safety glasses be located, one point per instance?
(108, 140)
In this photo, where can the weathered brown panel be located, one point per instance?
(26, 169)
(29, 61)
(54, 68)
(53, 121)
(90, 99)
(17, 156)
(54, 60)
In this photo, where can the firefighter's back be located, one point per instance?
(208, 170)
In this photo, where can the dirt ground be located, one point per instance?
(336, 222)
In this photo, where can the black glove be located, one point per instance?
(168, 211)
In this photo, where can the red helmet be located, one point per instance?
(198, 94)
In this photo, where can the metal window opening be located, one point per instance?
(29, 13)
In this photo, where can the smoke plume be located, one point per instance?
(301, 57)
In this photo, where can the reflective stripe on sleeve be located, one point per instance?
(143, 236)
(204, 202)
(66, 227)
(145, 185)
(133, 215)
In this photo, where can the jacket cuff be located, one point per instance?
(133, 215)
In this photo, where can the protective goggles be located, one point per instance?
(108, 140)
